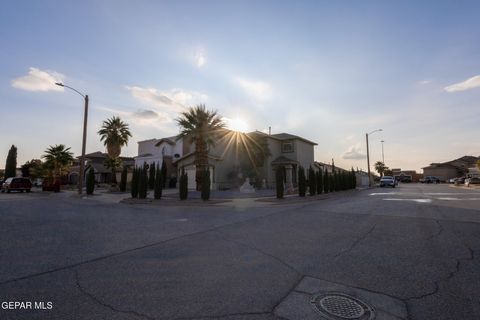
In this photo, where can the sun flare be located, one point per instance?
(237, 124)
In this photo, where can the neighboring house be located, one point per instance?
(451, 169)
(401, 175)
(234, 157)
(96, 160)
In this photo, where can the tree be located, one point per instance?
(151, 176)
(326, 182)
(279, 177)
(478, 164)
(353, 179)
(312, 182)
(331, 181)
(302, 184)
(380, 168)
(202, 128)
(164, 173)
(58, 159)
(206, 185)
(113, 164)
(115, 134)
(11, 163)
(319, 179)
(123, 179)
(388, 172)
(90, 181)
(30, 169)
(158, 185)
(183, 185)
(142, 182)
(134, 187)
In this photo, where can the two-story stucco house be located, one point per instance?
(233, 158)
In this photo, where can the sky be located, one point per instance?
(329, 71)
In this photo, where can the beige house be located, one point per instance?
(451, 169)
(235, 157)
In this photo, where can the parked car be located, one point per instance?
(387, 181)
(430, 179)
(18, 184)
(473, 180)
(459, 180)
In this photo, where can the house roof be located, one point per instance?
(285, 136)
(464, 161)
(102, 155)
(169, 140)
(188, 155)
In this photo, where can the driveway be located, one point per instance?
(409, 252)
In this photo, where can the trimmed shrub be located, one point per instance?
(354, 179)
(90, 181)
(206, 185)
(279, 177)
(157, 190)
(312, 182)
(134, 183)
(302, 183)
(326, 182)
(11, 164)
(164, 173)
(331, 181)
(319, 181)
(123, 179)
(142, 183)
(183, 186)
(151, 176)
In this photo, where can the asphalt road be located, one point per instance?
(95, 259)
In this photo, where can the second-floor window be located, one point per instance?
(287, 147)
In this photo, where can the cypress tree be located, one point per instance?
(312, 182)
(123, 179)
(279, 177)
(319, 182)
(157, 193)
(302, 184)
(354, 179)
(331, 181)
(151, 176)
(164, 173)
(183, 185)
(206, 185)
(326, 183)
(142, 182)
(11, 163)
(90, 181)
(134, 182)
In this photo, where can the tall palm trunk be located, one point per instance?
(201, 161)
(114, 175)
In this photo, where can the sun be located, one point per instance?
(237, 124)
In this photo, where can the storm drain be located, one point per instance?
(339, 306)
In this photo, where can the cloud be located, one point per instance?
(259, 90)
(353, 153)
(423, 82)
(172, 100)
(471, 83)
(141, 116)
(199, 58)
(145, 114)
(39, 80)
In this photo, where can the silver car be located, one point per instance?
(387, 181)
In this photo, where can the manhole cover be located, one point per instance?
(338, 306)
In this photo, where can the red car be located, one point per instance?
(19, 184)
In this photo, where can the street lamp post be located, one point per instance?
(81, 173)
(368, 157)
(383, 157)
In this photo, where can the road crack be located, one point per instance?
(103, 304)
(356, 242)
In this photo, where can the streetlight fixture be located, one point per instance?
(81, 173)
(368, 156)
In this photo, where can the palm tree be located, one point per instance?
(57, 159)
(114, 134)
(201, 127)
(380, 167)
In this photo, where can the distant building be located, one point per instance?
(451, 169)
(406, 175)
(96, 160)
